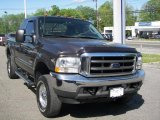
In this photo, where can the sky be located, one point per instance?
(17, 6)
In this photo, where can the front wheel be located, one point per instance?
(47, 100)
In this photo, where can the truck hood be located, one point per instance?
(78, 46)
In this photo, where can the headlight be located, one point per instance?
(68, 65)
(139, 63)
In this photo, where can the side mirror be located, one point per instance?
(20, 36)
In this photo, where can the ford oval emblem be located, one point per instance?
(115, 65)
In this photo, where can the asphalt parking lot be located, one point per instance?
(149, 47)
(17, 102)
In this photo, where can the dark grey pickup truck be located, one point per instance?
(68, 61)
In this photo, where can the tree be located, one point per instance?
(69, 13)
(105, 15)
(40, 12)
(14, 22)
(10, 23)
(130, 16)
(150, 11)
(2, 26)
(86, 13)
(54, 10)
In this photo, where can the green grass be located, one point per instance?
(148, 58)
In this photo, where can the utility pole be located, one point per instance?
(97, 19)
(25, 9)
(119, 21)
(6, 22)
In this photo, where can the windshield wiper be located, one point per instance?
(61, 36)
(65, 36)
(87, 37)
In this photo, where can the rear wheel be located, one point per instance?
(47, 100)
(11, 68)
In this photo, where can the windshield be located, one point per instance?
(67, 27)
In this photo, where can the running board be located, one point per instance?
(27, 81)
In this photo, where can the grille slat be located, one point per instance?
(111, 74)
(108, 68)
(109, 64)
(110, 61)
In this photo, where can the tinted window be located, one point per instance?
(13, 35)
(29, 31)
(58, 27)
(2, 35)
(23, 25)
(30, 28)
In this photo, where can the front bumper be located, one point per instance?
(74, 88)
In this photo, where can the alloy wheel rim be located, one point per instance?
(9, 68)
(43, 96)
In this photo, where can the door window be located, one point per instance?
(29, 31)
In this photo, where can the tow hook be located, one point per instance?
(92, 91)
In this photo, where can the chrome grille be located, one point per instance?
(108, 64)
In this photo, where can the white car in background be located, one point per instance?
(130, 38)
(2, 39)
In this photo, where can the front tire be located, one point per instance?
(11, 68)
(47, 100)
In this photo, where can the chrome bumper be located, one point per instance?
(73, 82)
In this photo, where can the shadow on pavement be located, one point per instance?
(30, 88)
(101, 109)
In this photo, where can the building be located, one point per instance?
(141, 29)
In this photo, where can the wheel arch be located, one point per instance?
(40, 68)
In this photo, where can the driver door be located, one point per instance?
(27, 51)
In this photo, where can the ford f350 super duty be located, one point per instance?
(68, 61)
